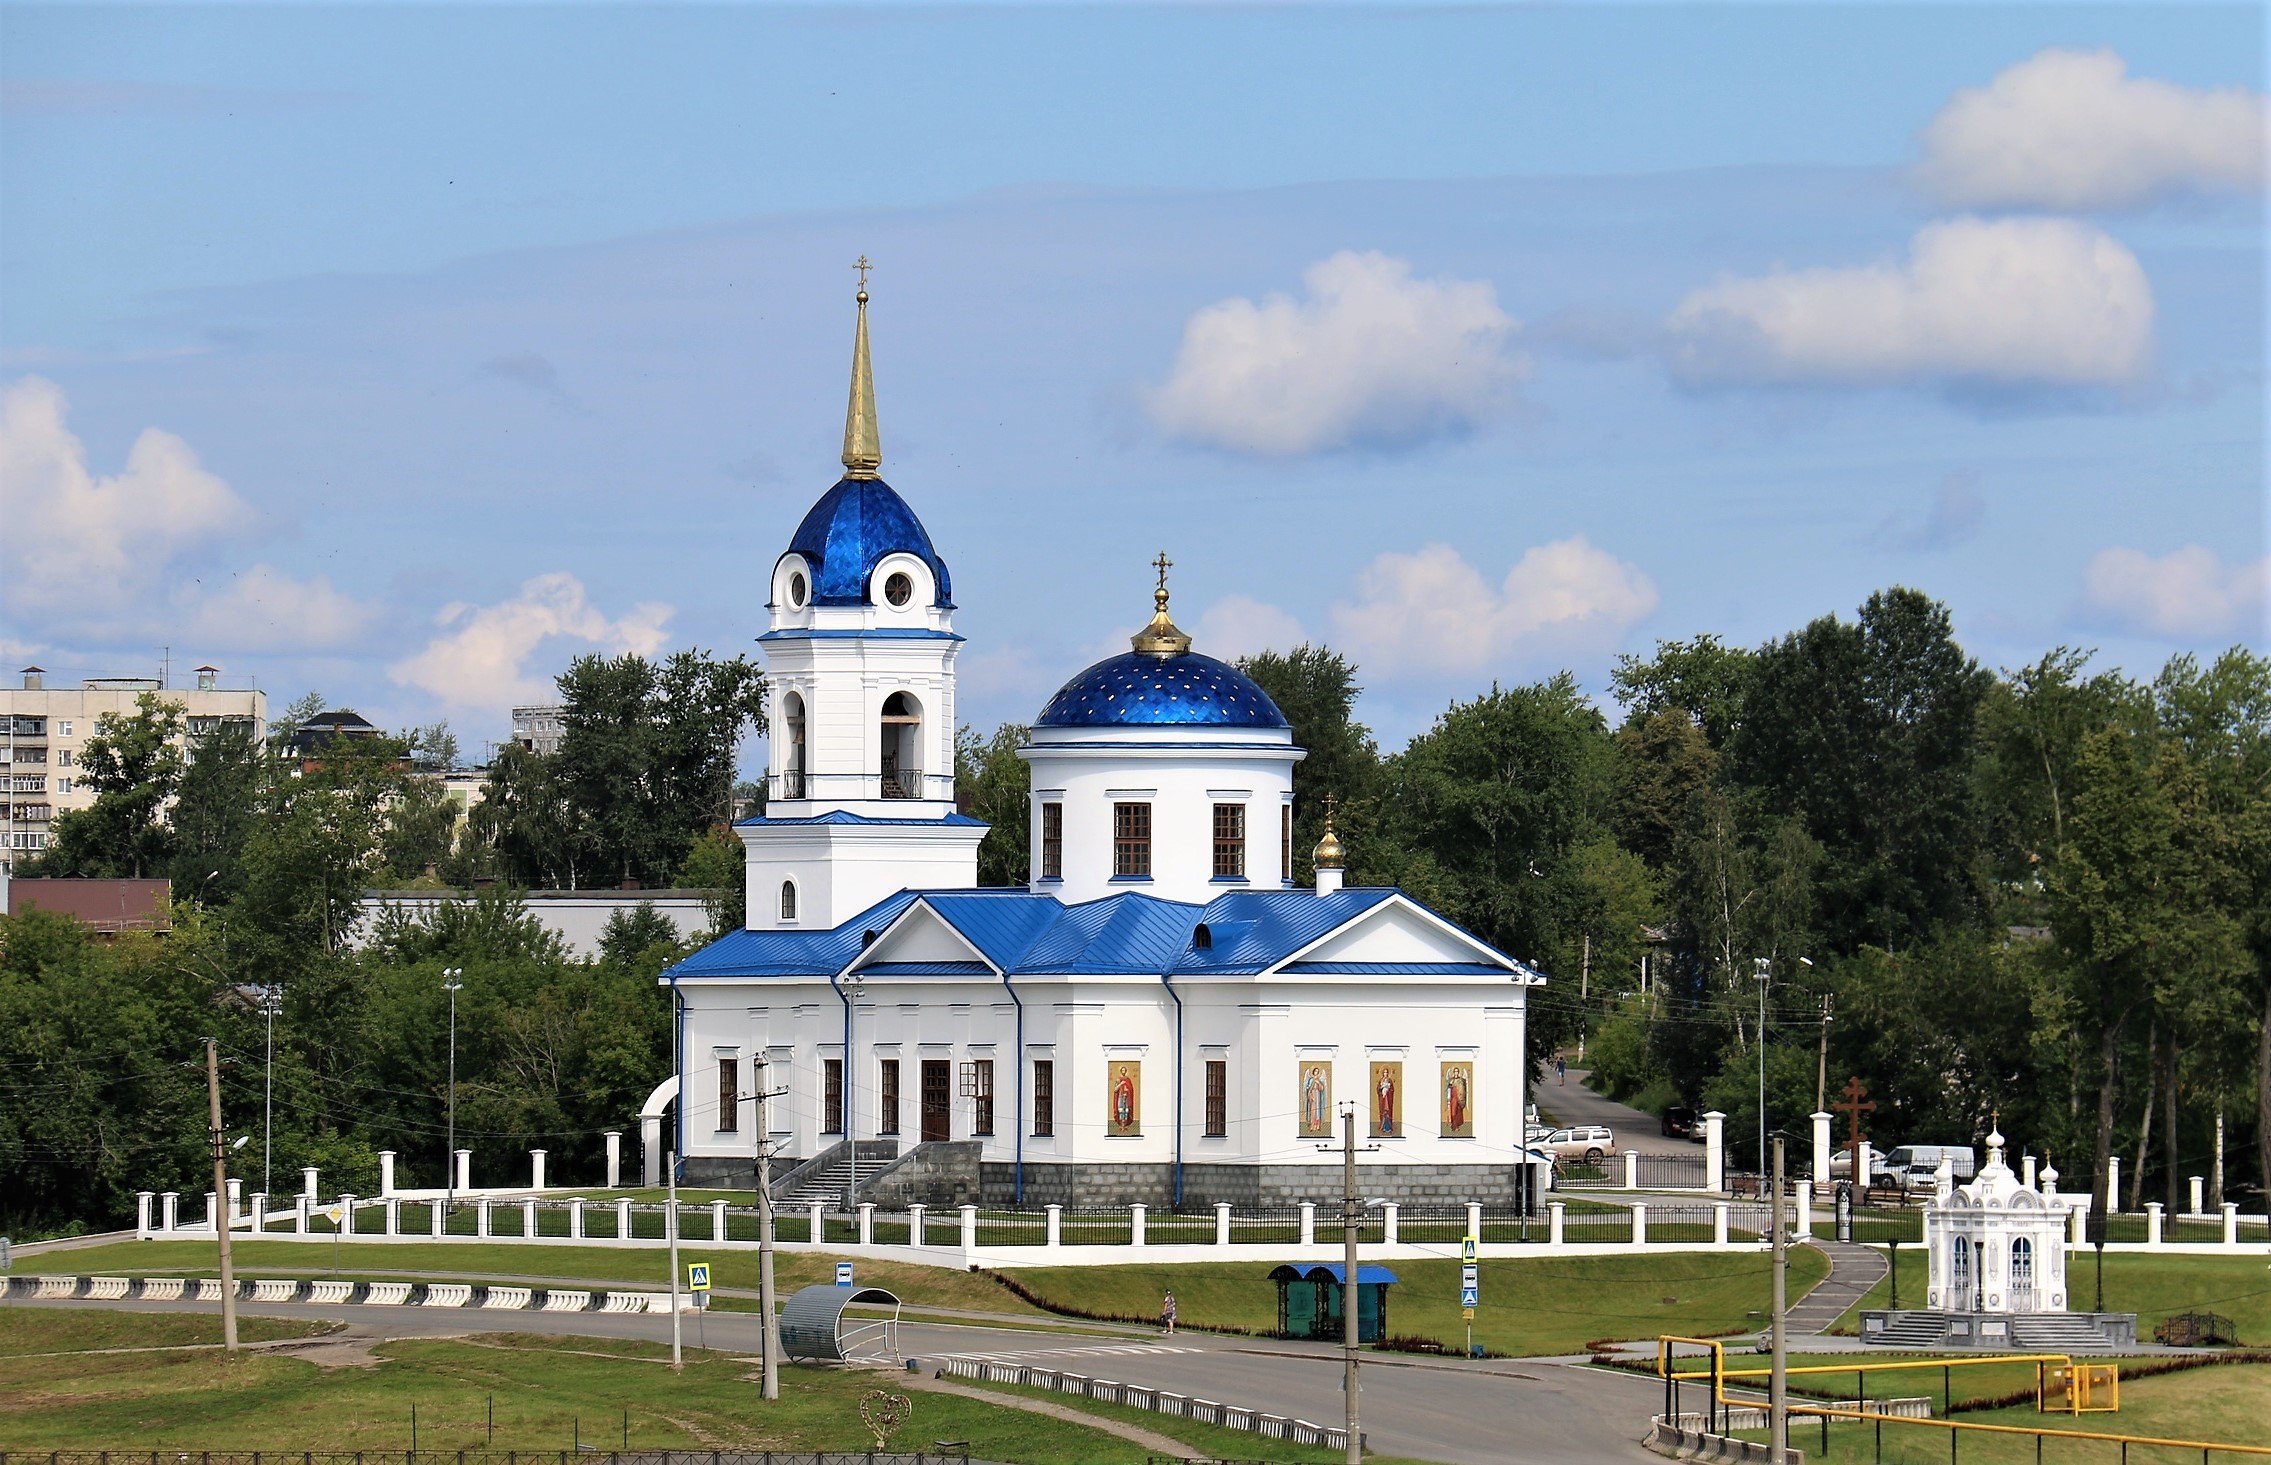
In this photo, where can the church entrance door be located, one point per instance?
(938, 1089)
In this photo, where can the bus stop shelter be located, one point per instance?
(1309, 1301)
(814, 1329)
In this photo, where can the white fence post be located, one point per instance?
(969, 1228)
(536, 1169)
(1821, 1152)
(236, 1199)
(576, 1219)
(212, 1210)
(1632, 1169)
(347, 1215)
(259, 1211)
(1136, 1219)
(1640, 1223)
(914, 1224)
(1053, 1224)
(1719, 1222)
(623, 1229)
(1474, 1219)
(169, 1210)
(393, 1215)
(1391, 1226)
(819, 1223)
(142, 1201)
(464, 1169)
(614, 1138)
(2196, 1195)
(2080, 1229)
(1715, 1151)
(1222, 1223)
(480, 1215)
(386, 1172)
(528, 1226)
(1554, 1212)
(2231, 1223)
(2153, 1223)
(1805, 1212)
(300, 1209)
(867, 1223)
(307, 1182)
(2112, 1184)
(718, 1227)
(1308, 1223)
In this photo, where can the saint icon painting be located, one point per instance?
(1316, 1099)
(1387, 1100)
(1458, 1118)
(1123, 1114)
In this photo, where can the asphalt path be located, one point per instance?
(1500, 1412)
(1572, 1103)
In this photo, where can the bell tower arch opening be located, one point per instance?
(900, 770)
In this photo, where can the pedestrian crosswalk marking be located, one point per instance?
(1014, 1355)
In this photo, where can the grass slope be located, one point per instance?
(37, 1330)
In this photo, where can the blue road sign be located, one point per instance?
(1470, 1297)
(843, 1274)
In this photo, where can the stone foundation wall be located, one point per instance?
(938, 1174)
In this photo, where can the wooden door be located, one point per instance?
(938, 1090)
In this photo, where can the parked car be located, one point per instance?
(1682, 1122)
(1841, 1163)
(1916, 1166)
(1590, 1143)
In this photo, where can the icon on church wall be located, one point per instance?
(1124, 1112)
(1458, 1100)
(1387, 1100)
(1316, 1099)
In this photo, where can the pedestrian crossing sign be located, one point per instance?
(698, 1276)
(1470, 1297)
(1469, 1250)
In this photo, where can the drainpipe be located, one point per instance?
(846, 998)
(1017, 1120)
(1166, 982)
(678, 1126)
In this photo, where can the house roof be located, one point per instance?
(1016, 933)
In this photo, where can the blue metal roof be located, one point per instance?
(1395, 969)
(1129, 934)
(848, 533)
(840, 816)
(1138, 690)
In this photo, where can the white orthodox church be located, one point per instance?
(1159, 1015)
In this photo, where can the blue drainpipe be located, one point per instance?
(845, 998)
(1168, 983)
(1017, 1121)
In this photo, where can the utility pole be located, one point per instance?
(768, 1328)
(222, 1219)
(1352, 1225)
(1778, 1392)
(453, 986)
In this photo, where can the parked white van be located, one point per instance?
(1915, 1166)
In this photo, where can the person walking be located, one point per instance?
(1561, 1070)
(1167, 1315)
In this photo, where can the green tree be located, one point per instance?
(716, 864)
(421, 829)
(320, 844)
(1316, 688)
(539, 838)
(134, 764)
(1702, 679)
(996, 785)
(215, 813)
(1662, 760)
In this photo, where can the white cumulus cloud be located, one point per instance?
(2012, 302)
(264, 609)
(2073, 130)
(1432, 612)
(1372, 356)
(1240, 625)
(2187, 592)
(480, 657)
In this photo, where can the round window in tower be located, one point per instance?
(899, 588)
(796, 591)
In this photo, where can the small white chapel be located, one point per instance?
(1159, 1015)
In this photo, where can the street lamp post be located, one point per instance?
(271, 1002)
(453, 986)
(1761, 968)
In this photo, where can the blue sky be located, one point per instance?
(405, 352)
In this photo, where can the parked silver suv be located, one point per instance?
(1590, 1143)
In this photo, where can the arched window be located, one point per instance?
(788, 900)
(2022, 1272)
(1959, 1273)
(792, 765)
(901, 773)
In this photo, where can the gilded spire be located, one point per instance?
(863, 442)
(1161, 637)
(1328, 856)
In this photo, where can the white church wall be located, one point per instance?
(1182, 787)
(840, 870)
(842, 682)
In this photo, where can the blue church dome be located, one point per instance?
(1144, 690)
(850, 531)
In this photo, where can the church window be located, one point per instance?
(887, 1098)
(899, 588)
(1229, 841)
(831, 1096)
(796, 590)
(1131, 840)
(1044, 1096)
(1285, 840)
(1052, 841)
(788, 900)
(792, 770)
(729, 1095)
(982, 1097)
(1217, 1097)
(901, 775)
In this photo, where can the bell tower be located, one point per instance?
(859, 662)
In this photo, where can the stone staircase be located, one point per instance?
(1910, 1330)
(828, 1184)
(2051, 1332)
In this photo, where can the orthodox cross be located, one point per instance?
(1856, 1104)
(1163, 565)
(863, 267)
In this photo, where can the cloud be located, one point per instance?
(2072, 130)
(479, 659)
(1240, 625)
(2006, 302)
(264, 609)
(1372, 358)
(2188, 592)
(1431, 611)
(1957, 511)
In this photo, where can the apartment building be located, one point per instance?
(44, 731)
(538, 729)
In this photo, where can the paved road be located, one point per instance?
(1573, 1103)
(1528, 1412)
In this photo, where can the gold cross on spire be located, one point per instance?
(863, 267)
(1161, 637)
(1162, 565)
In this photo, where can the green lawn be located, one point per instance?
(545, 1394)
(43, 1330)
(1546, 1305)
(2225, 1405)
(599, 1265)
(2153, 1287)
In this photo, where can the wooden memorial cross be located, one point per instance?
(1856, 1104)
